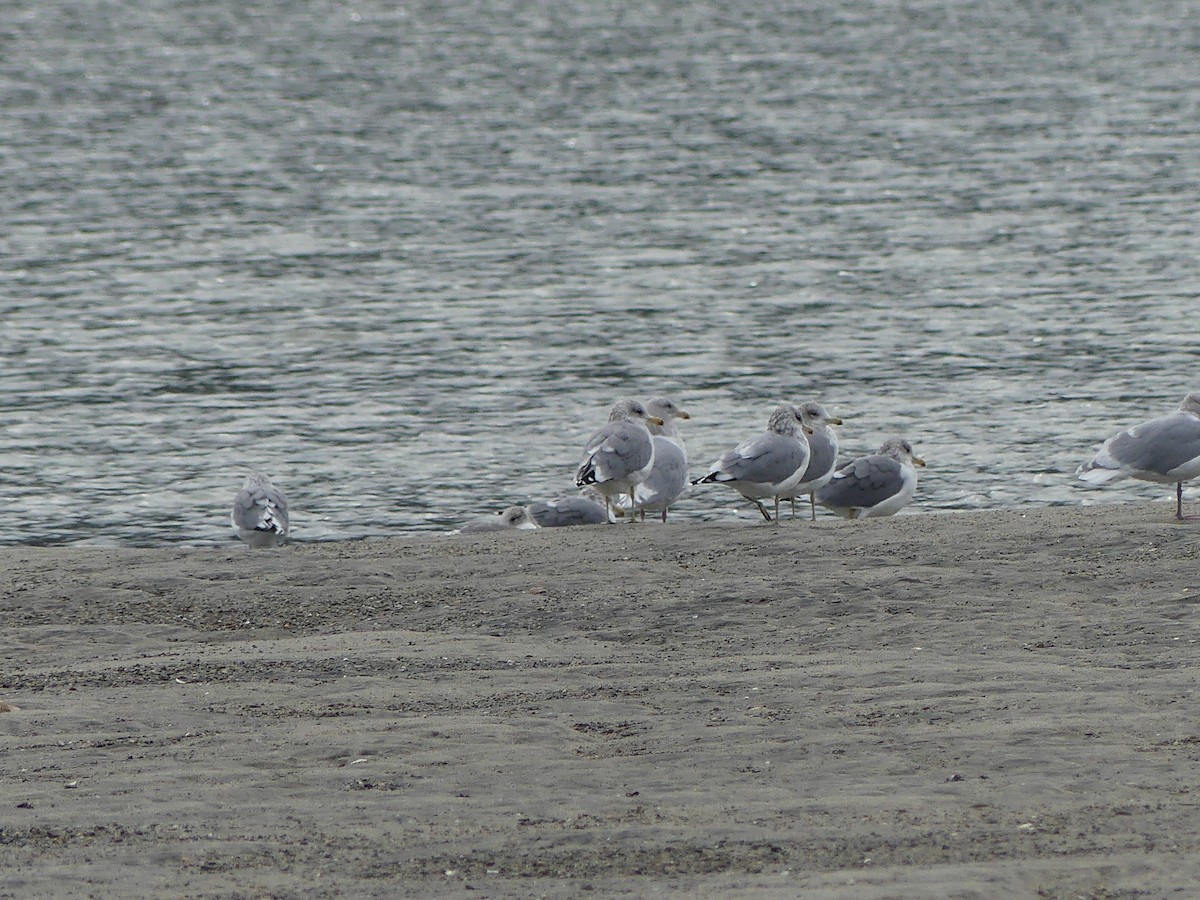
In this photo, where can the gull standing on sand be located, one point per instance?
(880, 484)
(668, 477)
(620, 455)
(566, 512)
(260, 513)
(823, 453)
(769, 465)
(512, 519)
(1165, 450)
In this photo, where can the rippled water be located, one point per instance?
(404, 258)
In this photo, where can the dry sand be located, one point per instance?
(956, 705)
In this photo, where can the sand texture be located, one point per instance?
(998, 704)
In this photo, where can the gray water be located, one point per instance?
(405, 257)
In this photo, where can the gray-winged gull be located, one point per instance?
(1165, 450)
(260, 513)
(668, 477)
(620, 455)
(769, 465)
(880, 484)
(566, 512)
(823, 453)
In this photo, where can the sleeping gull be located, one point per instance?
(260, 514)
(1165, 450)
(511, 519)
(822, 458)
(568, 511)
(769, 465)
(880, 484)
(620, 455)
(668, 477)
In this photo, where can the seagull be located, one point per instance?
(880, 484)
(769, 465)
(619, 455)
(567, 511)
(260, 513)
(1165, 450)
(512, 519)
(823, 452)
(668, 477)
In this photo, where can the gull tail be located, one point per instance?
(586, 474)
(269, 523)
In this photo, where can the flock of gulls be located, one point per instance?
(637, 463)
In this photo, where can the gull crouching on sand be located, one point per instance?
(512, 519)
(880, 484)
(260, 513)
(668, 477)
(620, 455)
(767, 466)
(566, 512)
(823, 453)
(1165, 450)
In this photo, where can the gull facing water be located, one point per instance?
(260, 513)
(1165, 450)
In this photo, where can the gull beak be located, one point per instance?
(683, 414)
(655, 420)
(806, 429)
(834, 420)
(918, 461)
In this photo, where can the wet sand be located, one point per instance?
(939, 705)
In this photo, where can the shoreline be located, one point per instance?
(971, 703)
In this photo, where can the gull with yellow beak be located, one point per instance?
(880, 484)
(620, 455)
(822, 457)
(668, 478)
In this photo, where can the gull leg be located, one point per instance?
(776, 510)
(812, 501)
(762, 509)
(1179, 516)
(793, 499)
(664, 514)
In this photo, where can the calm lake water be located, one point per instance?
(404, 258)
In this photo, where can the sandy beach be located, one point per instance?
(994, 704)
